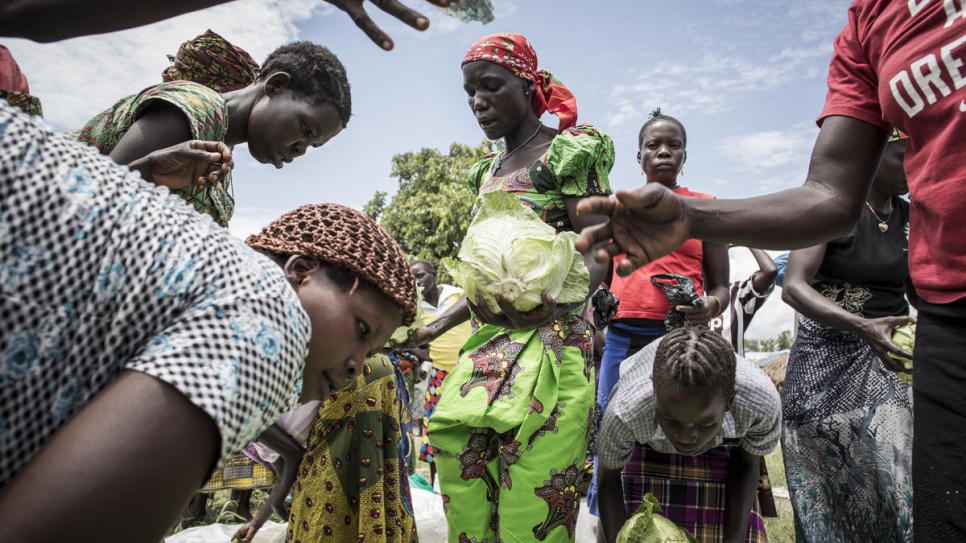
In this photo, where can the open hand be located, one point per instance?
(356, 11)
(645, 224)
(188, 163)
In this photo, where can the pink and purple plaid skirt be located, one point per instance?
(691, 490)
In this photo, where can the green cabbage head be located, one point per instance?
(905, 337)
(509, 250)
(647, 525)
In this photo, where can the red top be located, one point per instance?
(903, 64)
(639, 298)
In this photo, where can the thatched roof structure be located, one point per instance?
(776, 371)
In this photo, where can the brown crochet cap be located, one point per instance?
(346, 238)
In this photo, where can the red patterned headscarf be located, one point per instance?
(514, 52)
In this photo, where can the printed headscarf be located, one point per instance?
(14, 87)
(213, 62)
(514, 52)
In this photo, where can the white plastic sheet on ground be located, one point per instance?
(427, 508)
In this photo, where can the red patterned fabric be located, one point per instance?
(514, 52)
(11, 78)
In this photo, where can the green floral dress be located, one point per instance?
(513, 419)
(207, 116)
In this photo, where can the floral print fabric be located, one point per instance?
(207, 117)
(512, 423)
(101, 272)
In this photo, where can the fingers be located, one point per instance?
(596, 205)
(359, 16)
(591, 236)
(482, 310)
(629, 264)
(404, 14)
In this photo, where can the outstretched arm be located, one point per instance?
(102, 456)
(291, 453)
(651, 221)
(53, 20)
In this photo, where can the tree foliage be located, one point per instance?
(429, 214)
(780, 343)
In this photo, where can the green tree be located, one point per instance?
(785, 340)
(429, 214)
(376, 205)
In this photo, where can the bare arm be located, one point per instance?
(797, 292)
(188, 163)
(652, 221)
(53, 20)
(742, 483)
(291, 453)
(137, 426)
(717, 269)
(610, 492)
(767, 273)
(161, 126)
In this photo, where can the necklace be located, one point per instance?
(505, 155)
(883, 227)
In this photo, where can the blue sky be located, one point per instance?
(746, 77)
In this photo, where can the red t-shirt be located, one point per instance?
(641, 299)
(903, 63)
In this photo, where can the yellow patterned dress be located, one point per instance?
(352, 484)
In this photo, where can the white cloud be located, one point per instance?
(78, 78)
(772, 149)
(250, 220)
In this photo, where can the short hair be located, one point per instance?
(695, 358)
(424, 262)
(656, 116)
(317, 74)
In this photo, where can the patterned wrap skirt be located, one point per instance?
(510, 432)
(847, 440)
(691, 490)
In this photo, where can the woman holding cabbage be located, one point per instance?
(511, 427)
(847, 415)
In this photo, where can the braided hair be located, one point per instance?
(695, 358)
(656, 116)
(316, 73)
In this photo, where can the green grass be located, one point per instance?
(781, 529)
